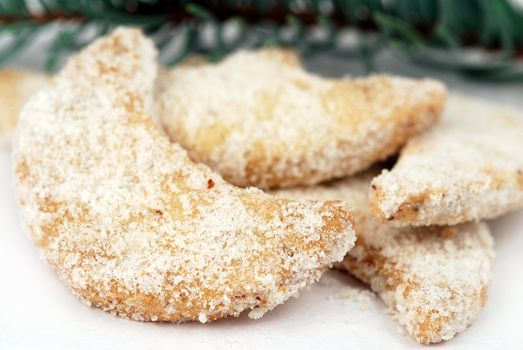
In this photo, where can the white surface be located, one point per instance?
(37, 311)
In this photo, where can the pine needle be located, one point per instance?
(413, 28)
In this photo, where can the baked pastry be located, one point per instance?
(435, 280)
(468, 167)
(136, 228)
(15, 88)
(259, 119)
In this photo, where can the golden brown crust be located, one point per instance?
(260, 120)
(435, 280)
(136, 228)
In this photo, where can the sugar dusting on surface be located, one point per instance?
(259, 119)
(434, 280)
(468, 167)
(132, 225)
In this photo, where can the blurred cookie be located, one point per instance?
(259, 119)
(15, 89)
(468, 167)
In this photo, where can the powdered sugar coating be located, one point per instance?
(435, 280)
(136, 228)
(468, 167)
(259, 119)
(15, 89)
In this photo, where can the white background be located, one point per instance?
(37, 311)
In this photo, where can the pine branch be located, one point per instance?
(433, 32)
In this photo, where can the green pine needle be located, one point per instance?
(414, 28)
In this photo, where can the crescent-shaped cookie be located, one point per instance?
(259, 119)
(15, 89)
(468, 167)
(136, 228)
(434, 280)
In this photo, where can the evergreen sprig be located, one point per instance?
(440, 33)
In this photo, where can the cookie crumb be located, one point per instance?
(202, 317)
